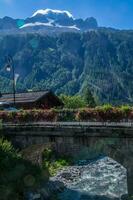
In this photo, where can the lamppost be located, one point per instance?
(9, 68)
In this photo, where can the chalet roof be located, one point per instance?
(25, 97)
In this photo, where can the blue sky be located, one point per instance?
(109, 13)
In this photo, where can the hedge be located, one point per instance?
(100, 114)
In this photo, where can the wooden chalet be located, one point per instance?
(31, 100)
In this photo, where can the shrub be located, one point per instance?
(73, 102)
(101, 114)
(57, 165)
(65, 114)
(88, 98)
(6, 147)
(105, 108)
(125, 109)
(87, 114)
(47, 154)
(28, 116)
(16, 174)
(54, 162)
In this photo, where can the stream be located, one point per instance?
(100, 179)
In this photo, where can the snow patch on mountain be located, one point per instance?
(47, 11)
(50, 23)
(36, 24)
(72, 27)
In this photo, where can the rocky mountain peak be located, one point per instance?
(49, 20)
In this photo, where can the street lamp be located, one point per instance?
(9, 68)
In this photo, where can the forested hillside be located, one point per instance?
(67, 63)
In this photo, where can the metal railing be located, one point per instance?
(75, 124)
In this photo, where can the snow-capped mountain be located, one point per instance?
(50, 12)
(48, 19)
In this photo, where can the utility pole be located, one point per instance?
(10, 67)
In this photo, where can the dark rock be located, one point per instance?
(125, 197)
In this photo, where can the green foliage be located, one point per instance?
(126, 109)
(106, 112)
(88, 98)
(16, 174)
(105, 108)
(47, 154)
(54, 162)
(65, 114)
(67, 62)
(73, 102)
(6, 147)
(27, 116)
(57, 165)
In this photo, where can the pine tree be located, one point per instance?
(88, 97)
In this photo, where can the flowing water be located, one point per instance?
(101, 179)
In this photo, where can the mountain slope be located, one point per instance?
(68, 62)
(47, 20)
